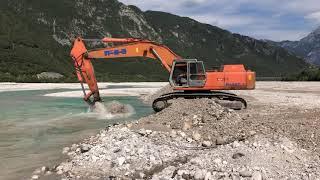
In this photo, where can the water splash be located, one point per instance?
(111, 110)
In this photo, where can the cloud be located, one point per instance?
(302, 6)
(265, 19)
(314, 16)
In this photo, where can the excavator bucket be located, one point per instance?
(85, 71)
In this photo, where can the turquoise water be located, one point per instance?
(35, 128)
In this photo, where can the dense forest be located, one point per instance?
(311, 74)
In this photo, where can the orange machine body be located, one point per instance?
(231, 77)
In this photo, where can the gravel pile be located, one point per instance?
(203, 119)
(119, 152)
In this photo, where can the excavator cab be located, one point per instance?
(187, 73)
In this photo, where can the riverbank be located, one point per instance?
(275, 138)
(4, 87)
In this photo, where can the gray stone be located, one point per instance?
(142, 132)
(85, 148)
(48, 173)
(208, 176)
(129, 125)
(173, 134)
(180, 172)
(59, 172)
(199, 174)
(37, 171)
(142, 175)
(255, 144)
(217, 161)
(235, 177)
(71, 154)
(206, 143)
(65, 150)
(44, 169)
(35, 177)
(237, 155)
(189, 140)
(148, 132)
(121, 160)
(196, 136)
(116, 150)
(221, 141)
(245, 173)
(153, 159)
(186, 176)
(235, 144)
(256, 176)
(74, 147)
(182, 134)
(187, 125)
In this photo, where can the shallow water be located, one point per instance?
(34, 128)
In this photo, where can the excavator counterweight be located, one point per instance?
(188, 77)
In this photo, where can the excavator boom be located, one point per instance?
(132, 48)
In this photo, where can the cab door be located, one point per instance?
(179, 74)
(196, 74)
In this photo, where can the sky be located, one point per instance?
(262, 19)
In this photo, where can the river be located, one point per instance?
(35, 128)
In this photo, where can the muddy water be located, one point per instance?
(34, 128)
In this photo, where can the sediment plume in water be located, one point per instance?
(113, 109)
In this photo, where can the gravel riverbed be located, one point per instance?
(196, 139)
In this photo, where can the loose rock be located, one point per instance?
(65, 150)
(196, 136)
(187, 125)
(221, 141)
(85, 148)
(206, 143)
(35, 177)
(200, 174)
(245, 173)
(208, 176)
(237, 155)
(256, 176)
(37, 171)
(121, 160)
(44, 169)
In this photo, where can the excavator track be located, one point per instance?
(162, 102)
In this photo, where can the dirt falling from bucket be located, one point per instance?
(113, 109)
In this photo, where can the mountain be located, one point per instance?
(308, 47)
(34, 38)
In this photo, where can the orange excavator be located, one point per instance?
(188, 77)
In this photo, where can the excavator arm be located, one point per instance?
(129, 47)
